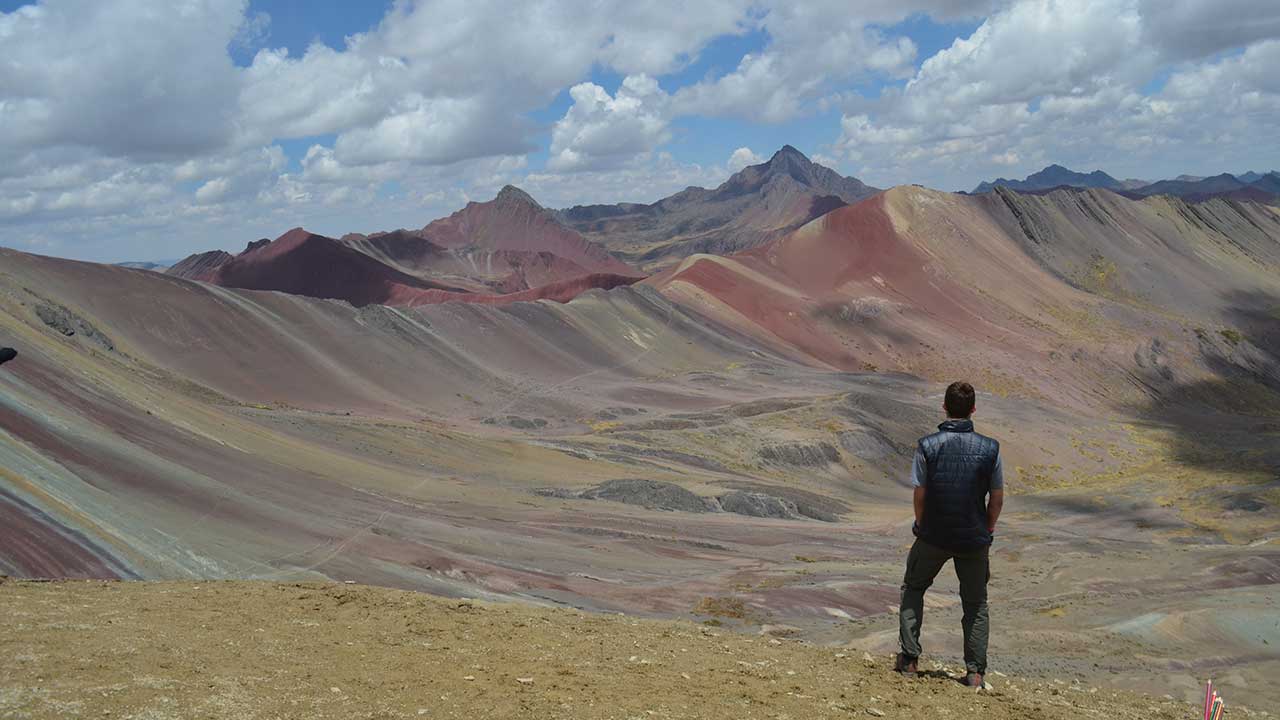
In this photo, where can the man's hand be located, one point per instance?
(917, 500)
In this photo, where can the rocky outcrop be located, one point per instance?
(651, 494)
(749, 500)
(867, 444)
(754, 504)
(68, 323)
(801, 454)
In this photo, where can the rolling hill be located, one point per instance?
(507, 250)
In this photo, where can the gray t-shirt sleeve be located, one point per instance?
(919, 470)
(997, 474)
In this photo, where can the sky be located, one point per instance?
(143, 130)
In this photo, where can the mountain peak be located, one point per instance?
(294, 235)
(510, 194)
(788, 157)
(1053, 176)
(255, 244)
(789, 151)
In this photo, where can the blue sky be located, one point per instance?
(131, 129)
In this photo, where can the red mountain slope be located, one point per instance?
(513, 221)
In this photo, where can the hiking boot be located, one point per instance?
(974, 680)
(906, 666)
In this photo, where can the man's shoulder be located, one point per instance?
(929, 439)
(939, 438)
(987, 439)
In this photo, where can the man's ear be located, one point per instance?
(974, 410)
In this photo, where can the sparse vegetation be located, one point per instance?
(722, 607)
(1232, 336)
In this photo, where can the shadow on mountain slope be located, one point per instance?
(1227, 427)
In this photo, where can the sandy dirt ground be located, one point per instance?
(263, 650)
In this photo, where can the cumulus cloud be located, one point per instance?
(813, 48)
(1006, 158)
(646, 180)
(742, 157)
(253, 31)
(1063, 81)
(600, 132)
(427, 85)
(121, 78)
(1184, 29)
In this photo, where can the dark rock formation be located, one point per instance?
(801, 454)
(651, 494)
(760, 505)
(68, 323)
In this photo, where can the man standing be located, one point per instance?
(954, 472)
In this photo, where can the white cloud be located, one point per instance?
(813, 48)
(1006, 158)
(429, 85)
(1186, 29)
(253, 31)
(118, 78)
(600, 132)
(436, 131)
(213, 190)
(644, 180)
(1062, 81)
(742, 157)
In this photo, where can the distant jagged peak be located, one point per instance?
(788, 154)
(790, 161)
(1053, 176)
(785, 166)
(512, 195)
(255, 244)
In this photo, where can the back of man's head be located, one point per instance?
(959, 400)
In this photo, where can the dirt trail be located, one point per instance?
(261, 650)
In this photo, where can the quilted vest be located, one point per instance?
(960, 462)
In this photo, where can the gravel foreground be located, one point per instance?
(158, 650)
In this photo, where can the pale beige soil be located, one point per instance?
(263, 650)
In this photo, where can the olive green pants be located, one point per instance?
(973, 569)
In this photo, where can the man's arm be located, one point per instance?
(994, 506)
(919, 478)
(996, 503)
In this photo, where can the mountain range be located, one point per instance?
(511, 248)
(1255, 186)
(757, 204)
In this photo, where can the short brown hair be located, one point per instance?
(959, 400)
